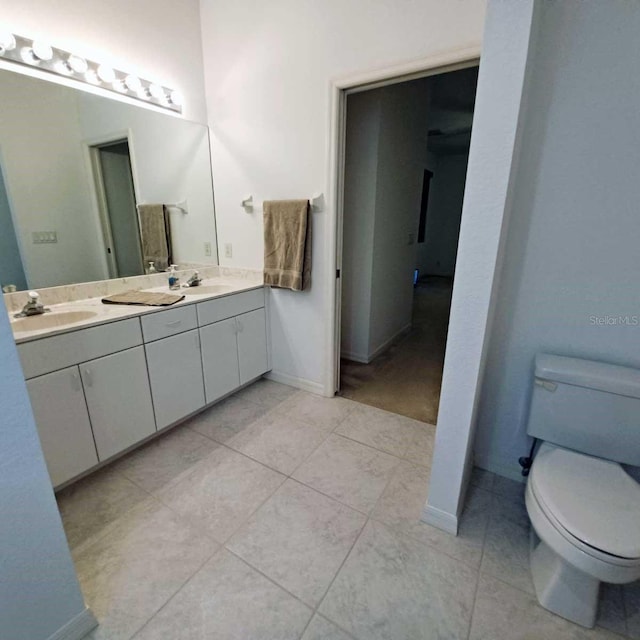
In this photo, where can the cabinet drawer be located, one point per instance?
(168, 323)
(58, 352)
(229, 306)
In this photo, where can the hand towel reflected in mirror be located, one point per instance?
(287, 244)
(155, 235)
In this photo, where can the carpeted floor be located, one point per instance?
(406, 378)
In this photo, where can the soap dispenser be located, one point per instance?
(174, 280)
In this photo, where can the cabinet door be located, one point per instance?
(63, 424)
(119, 400)
(175, 373)
(252, 345)
(219, 358)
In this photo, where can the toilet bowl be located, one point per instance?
(585, 515)
(583, 506)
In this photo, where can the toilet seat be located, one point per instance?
(591, 502)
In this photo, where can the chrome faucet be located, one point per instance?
(194, 280)
(33, 307)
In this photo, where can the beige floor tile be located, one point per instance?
(401, 507)
(482, 478)
(508, 488)
(94, 502)
(222, 492)
(322, 629)
(133, 570)
(393, 587)
(278, 440)
(266, 393)
(299, 538)
(165, 459)
(348, 471)
(229, 600)
(226, 419)
(379, 429)
(420, 449)
(611, 613)
(506, 547)
(327, 413)
(502, 611)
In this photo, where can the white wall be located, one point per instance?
(35, 155)
(572, 250)
(361, 174)
(495, 144)
(268, 68)
(401, 162)
(163, 40)
(437, 254)
(385, 157)
(39, 592)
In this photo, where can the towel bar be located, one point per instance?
(316, 202)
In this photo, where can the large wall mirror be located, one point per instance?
(74, 168)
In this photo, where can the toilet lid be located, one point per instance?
(595, 500)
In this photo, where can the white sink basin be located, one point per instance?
(50, 320)
(207, 288)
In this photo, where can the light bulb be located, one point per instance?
(133, 83)
(77, 64)
(106, 74)
(42, 50)
(176, 98)
(120, 86)
(7, 42)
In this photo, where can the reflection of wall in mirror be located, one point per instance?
(46, 130)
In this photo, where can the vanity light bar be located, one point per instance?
(40, 55)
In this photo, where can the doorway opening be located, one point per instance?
(111, 162)
(406, 147)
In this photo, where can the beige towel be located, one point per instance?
(287, 244)
(155, 235)
(148, 298)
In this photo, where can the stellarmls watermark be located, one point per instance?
(615, 321)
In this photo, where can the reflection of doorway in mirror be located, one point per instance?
(11, 269)
(117, 204)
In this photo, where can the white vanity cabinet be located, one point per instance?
(234, 341)
(175, 372)
(63, 423)
(118, 397)
(98, 391)
(220, 358)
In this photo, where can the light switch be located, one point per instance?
(228, 250)
(44, 237)
(207, 248)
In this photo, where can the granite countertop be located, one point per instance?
(93, 312)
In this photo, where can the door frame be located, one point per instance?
(91, 147)
(339, 90)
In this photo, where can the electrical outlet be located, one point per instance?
(410, 238)
(228, 250)
(207, 248)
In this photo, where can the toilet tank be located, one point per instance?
(587, 406)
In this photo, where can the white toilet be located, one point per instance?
(584, 507)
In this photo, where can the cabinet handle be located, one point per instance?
(240, 326)
(174, 323)
(197, 335)
(88, 377)
(75, 381)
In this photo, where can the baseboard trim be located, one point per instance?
(488, 463)
(440, 519)
(77, 627)
(355, 357)
(387, 344)
(299, 383)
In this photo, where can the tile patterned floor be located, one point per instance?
(281, 515)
